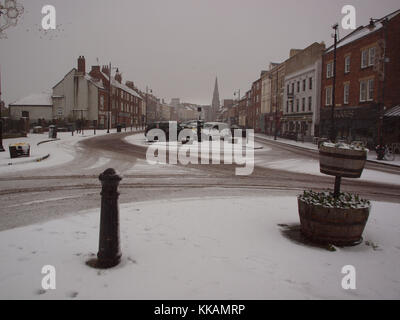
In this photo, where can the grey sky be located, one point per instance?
(177, 47)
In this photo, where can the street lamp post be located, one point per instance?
(333, 128)
(147, 103)
(109, 101)
(109, 98)
(384, 59)
(1, 122)
(238, 104)
(276, 105)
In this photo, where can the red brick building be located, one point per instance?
(125, 102)
(255, 110)
(366, 87)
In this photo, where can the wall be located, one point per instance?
(35, 112)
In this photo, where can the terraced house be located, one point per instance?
(367, 86)
(301, 99)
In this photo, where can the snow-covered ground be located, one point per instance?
(140, 140)
(61, 151)
(306, 145)
(311, 146)
(311, 166)
(213, 248)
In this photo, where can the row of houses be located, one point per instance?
(95, 98)
(83, 96)
(295, 97)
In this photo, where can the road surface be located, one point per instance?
(39, 195)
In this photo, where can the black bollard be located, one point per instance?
(109, 254)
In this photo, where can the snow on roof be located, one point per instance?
(41, 99)
(96, 82)
(121, 86)
(393, 112)
(363, 31)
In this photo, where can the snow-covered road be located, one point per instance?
(27, 195)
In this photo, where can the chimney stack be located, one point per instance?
(105, 70)
(118, 77)
(95, 72)
(130, 84)
(82, 64)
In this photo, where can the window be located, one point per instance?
(346, 93)
(328, 96)
(297, 105)
(293, 87)
(304, 85)
(371, 56)
(347, 64)
(291, 106)
(309, 103)
(298, 86)
(364, 58)
(363, 91)
(303, 104)
(370, 96)
(310, 83)
(367, 90)
(25, 114)
(102, 101)
(287, 106)
(329, 70)
(287, 90)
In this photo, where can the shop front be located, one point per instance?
(352, 124)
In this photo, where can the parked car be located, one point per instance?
(237, 127)
(164, 126)
(215, 130)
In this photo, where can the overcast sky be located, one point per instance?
(176, 47)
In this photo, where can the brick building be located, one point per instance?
(84, 97)
(277, 76)
(366, 87)
(255, 110)
(125, 101)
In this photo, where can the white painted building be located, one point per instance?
(78, 96)
(302, 92)
(34, 107)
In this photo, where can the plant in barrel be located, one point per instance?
(334, 217)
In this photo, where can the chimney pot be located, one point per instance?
(81, 64)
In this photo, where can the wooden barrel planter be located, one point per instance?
(337, 226)
(347, 163)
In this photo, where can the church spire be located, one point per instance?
(215, 102)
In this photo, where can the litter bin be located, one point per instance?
(119, 127)
(52, 132)
(18, 150)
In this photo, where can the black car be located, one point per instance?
(237, 127)
(164, 126)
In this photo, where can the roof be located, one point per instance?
(362, 31)
(121, 86)
(97, 83)
(38, 99)
(393, 112)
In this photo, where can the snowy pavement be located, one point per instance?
(311, 166)
(312, 146)
(140, 140)
(60, 151)
(208, 248)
